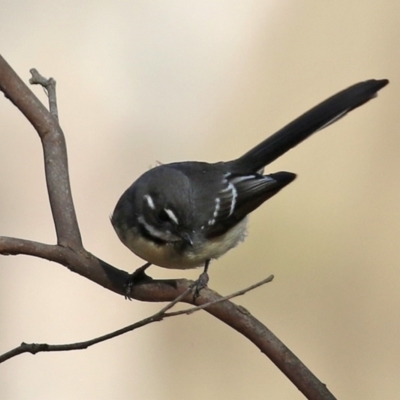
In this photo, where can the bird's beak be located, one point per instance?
(187, 238)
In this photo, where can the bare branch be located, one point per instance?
(55, 155)
(241, 292)
(49, 86)
(35, 348)
(12, 246)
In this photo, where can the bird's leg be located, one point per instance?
(202, 280)
(137, 276)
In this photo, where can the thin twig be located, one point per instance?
(241, 292)
(175, 301)
(49, 86)
(35, 348)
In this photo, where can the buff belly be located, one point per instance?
(168, 255)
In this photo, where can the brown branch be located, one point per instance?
(241, 292)
(70, 252)
(55, 155)
(35, 348)
(49, 86)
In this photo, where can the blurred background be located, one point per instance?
(140, 82)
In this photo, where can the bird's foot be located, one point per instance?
(137, 276)
(202, 281)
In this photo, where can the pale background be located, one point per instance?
(147, 81)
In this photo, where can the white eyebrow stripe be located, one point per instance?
(172, 216)
(149, 201)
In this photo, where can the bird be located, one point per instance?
(182, 215)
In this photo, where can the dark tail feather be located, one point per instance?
(319, 117)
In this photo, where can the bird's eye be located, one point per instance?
(167, 215)
(163, 216)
